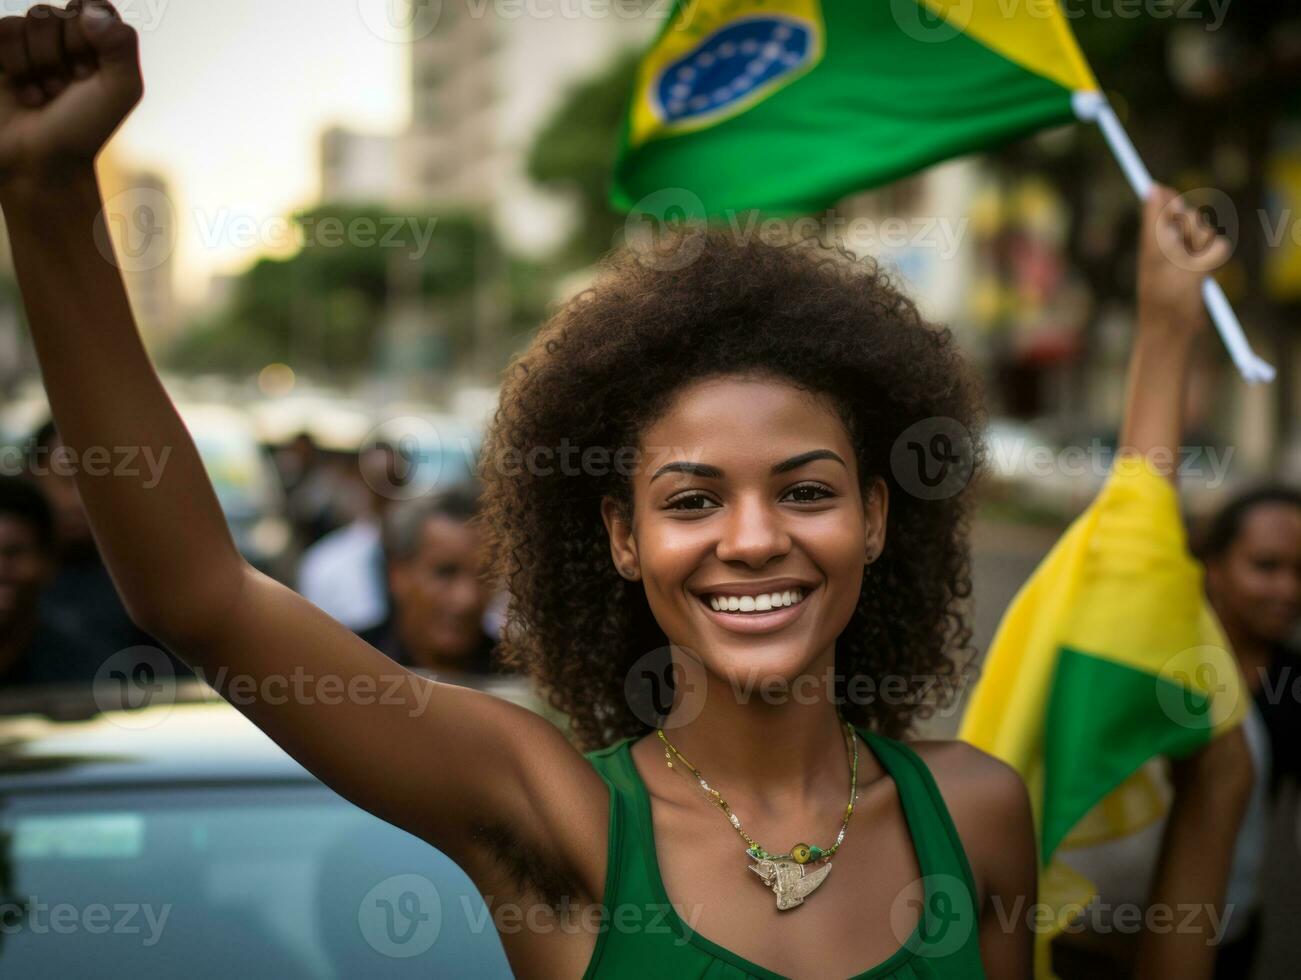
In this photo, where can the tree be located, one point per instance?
(325, 307)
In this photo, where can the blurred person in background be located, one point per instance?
(1252, 553)
(312, 489)
(81, 597)
(34, 647)
(434, 563)
(344, 573)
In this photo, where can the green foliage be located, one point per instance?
(326, 307)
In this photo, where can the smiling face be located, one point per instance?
(1257, 581)
(439, 596)
(750, 527)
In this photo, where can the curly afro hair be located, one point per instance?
(606, 365)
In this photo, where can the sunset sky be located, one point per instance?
(236, 94)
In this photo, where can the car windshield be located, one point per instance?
(249, 882)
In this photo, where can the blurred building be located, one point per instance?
(920, 230)
(483, 84)
(142, 221)
(358, 167)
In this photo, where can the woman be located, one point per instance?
(1252, 553)
(699, 461)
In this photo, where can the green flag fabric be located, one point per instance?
(785, 106)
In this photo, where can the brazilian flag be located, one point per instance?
(786, 106)
(1108, 658)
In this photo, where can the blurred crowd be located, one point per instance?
(402, 569)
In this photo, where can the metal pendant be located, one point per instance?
(791, 882)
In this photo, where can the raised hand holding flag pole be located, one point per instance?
(1094, 106)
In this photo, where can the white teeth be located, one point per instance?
(755, 603)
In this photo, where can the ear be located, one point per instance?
(876, 507)
(623, 545)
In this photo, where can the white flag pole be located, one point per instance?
(1093, 107)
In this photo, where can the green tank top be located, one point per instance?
(643, 936)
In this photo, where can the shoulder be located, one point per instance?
(989, 804)
(978, 788)
(962, 768)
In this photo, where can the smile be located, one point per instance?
(759, 608)
(757, 603)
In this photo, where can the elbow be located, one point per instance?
(191, 616)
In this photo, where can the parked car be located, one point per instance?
(176, 840)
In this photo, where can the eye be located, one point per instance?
(808, 493)
(692, 500)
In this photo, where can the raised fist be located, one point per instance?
(70, 76)
(1179, 249)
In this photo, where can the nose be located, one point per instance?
(752, 533)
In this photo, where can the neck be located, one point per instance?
(769, 743)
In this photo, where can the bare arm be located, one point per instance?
(1176, 252)
(439, 761)
(991, 811)
(1211, 787)
(1011, 873)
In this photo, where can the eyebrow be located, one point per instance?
(707, 472)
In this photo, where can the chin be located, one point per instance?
(772, 668)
